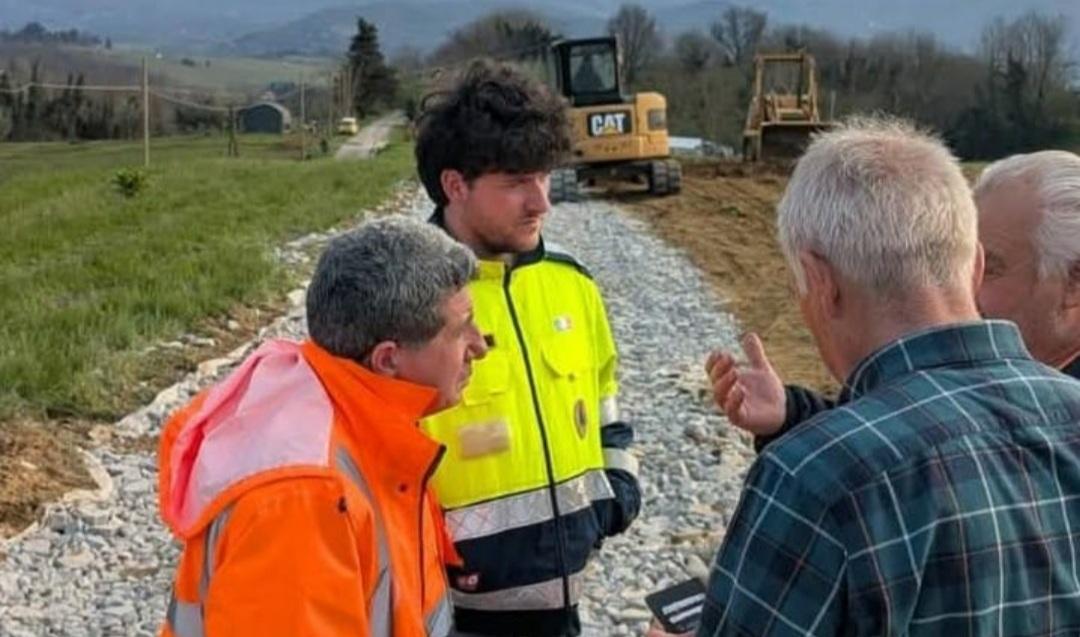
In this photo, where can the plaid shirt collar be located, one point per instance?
(1073, 368)
(938, 346)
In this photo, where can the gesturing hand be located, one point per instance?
(751, 395)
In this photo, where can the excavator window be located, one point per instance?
(592, 69)
(586, 71)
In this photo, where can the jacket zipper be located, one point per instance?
(423, 498)
(559, 530)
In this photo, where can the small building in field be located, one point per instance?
(265, 117)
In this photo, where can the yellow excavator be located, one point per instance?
(614, 135)
(783, 111)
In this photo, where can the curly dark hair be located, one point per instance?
(495, 118)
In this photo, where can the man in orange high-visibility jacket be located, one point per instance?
(299, 484)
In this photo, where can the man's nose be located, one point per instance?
(538, 194)
(478, 348)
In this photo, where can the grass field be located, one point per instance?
(89, 279)
(23, 159)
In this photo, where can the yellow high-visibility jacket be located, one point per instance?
(537, 471)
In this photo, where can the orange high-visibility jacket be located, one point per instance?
(299, 487)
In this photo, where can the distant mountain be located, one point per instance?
(424, 24)
(418, 24)
(190, 24)
(323, 26)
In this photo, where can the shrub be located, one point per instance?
(130, 181)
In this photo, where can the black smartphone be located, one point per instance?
(678, 608)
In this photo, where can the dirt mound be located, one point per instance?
(712, 168)
(38, 464)
(725, 219)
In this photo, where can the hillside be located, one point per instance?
(217, 74)
(321, 26)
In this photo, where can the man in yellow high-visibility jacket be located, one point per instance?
(537, 471)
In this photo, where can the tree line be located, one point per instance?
(37, 33)
(1016, 92)
(73, 112)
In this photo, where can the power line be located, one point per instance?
(174, 99)
(82, 87)
(132, 88)
(176, 95)
(182, 102)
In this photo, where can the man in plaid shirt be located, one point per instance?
(942, 495)
(1029, 226)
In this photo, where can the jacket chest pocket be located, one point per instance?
(570, 370)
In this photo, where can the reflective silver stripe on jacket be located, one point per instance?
(609, 410)
(440, 620)
(540, 596)
(526, 509)
(615, 458)
(185, 619)
(382, 601)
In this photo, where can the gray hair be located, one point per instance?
(384, 281)
(885, 204)
(1054, 176)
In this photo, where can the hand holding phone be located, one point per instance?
(678, 608)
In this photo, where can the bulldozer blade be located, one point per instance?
(787, 140)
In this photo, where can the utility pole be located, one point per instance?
(341, 92)
(330, 104)
(303, 120)
(146, 113)
(347, 94)
(234, 148)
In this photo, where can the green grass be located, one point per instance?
(89, 279)
(227, 73)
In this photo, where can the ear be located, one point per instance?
(454, 185)
(383, 359)
(978, 270)
(1072, 287)
(822, 284)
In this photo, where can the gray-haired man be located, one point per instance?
(1029, 226)
(299, 484)
(939, 496)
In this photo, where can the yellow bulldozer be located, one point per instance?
(783, 111)
(614, 135)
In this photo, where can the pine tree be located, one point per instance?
(373, 81)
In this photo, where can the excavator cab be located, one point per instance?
(614, 135)
(587, 71)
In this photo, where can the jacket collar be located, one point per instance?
(381, 414)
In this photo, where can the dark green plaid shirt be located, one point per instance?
(940, 497)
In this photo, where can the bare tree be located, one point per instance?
(738, 32)
(694, 50)
(512, 34)
(639, 39)
(1031, 52)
